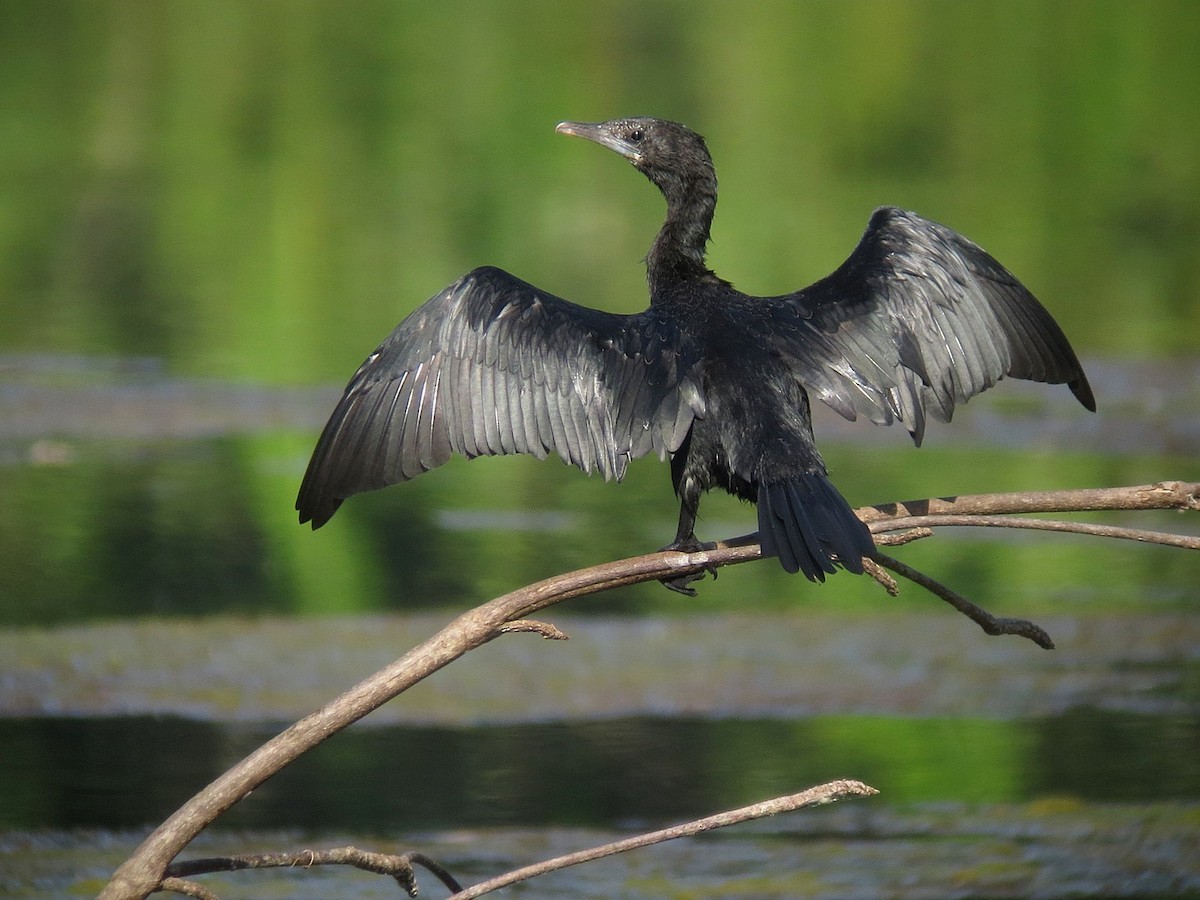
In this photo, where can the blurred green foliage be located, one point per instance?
(257, 192)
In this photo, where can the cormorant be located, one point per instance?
(915, 321)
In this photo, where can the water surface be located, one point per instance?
(211, 213)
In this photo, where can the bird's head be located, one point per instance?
(671, 155)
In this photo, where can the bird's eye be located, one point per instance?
(635, 136)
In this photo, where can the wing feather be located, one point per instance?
(492, 365)
(389, 452)
(916, 321)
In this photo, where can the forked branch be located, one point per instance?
(144, 871)
(401, 867)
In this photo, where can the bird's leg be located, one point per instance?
(685, 542)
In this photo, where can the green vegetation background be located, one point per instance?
(257, 192)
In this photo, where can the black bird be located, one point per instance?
(917, 320)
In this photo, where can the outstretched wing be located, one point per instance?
(917, 320)
(492, 365)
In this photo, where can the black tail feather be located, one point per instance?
(807, 524)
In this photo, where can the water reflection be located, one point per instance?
(123, 773)
(127, 492)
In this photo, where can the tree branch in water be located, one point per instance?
(400, 866)
(816, 796)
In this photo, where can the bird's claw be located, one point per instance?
(680, 583)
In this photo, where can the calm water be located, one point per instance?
(211, 213)
(128, 772)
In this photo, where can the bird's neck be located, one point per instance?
(677, 254)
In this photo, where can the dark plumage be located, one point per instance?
(917, 320)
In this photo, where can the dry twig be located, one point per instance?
(1183, 541)
(993, 625)
(816, 796)
(187, 888)
(399, 867)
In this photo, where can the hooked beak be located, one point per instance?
(598, 132)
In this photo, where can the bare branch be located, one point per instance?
(816, 796)
(901, 536)
(545, 629)
(187, 888)
(142, 873)
(399, 867)
(885, 581)
(1163, 495)
(993, 625)
(1184, 541)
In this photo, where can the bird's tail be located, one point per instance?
(807, 524)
